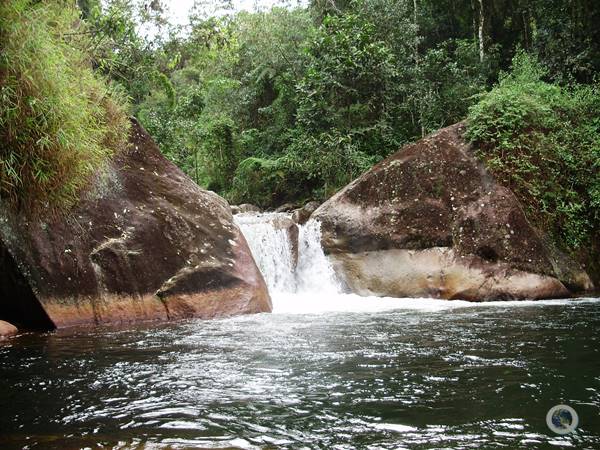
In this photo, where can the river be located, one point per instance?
(324, 370)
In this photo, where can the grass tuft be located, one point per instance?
(60, 123)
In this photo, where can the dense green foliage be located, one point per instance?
(59, 121)
(307, 105)
(290, 104)
(543, 141)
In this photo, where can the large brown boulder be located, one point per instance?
(431, 221)
(145, 243)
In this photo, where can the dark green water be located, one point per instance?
(464, 377)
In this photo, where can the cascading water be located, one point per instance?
(273, 251)
(271, 248)
(314, 272)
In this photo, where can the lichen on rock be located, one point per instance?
(431, 221)
(148, 244)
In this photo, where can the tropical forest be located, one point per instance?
(353, 224)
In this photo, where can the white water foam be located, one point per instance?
(273, 252)
(352, 303)
(311, 286)
(314, 273)
(271, 249)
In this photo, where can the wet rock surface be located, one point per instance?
(286, 207)
(301, 215)
(431, 221)
(244, 208)
(291, 229)
(7, 329)
(145, 243)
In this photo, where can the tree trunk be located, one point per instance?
(480, 34)
(196, 164)
(474, 11)
(417, 63)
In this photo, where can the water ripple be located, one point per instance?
(480, 376)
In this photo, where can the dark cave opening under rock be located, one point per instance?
(18, 303)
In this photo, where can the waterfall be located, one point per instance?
(271, 248)
(314, 272)
(288, 267)
(299, 276)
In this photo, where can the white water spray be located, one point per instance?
(308, 285)
(273, 251)
(314, 272)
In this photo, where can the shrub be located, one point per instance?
(219, 152)
(312, 168)
(327, 161)
(257, 180)
(59, 122)
(543, 141)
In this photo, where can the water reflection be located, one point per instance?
(482, 376)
